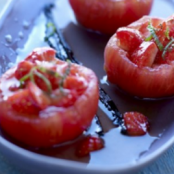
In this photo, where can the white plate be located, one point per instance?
(5, 7)
(122, 154)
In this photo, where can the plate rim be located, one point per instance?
(74, 165)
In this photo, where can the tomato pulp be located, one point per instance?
(45, 101)
(107, 15)
(139, 58)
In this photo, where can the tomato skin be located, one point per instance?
(48, 125)
(145, 82)
(107, 15)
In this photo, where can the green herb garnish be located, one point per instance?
(167, 33)
(167, 47)
(34, 72)
(148, 38)
(38, 70)
(153, 34)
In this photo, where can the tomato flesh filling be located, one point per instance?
(137, 43)
(43, 84)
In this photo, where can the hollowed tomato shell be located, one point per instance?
(145, 82)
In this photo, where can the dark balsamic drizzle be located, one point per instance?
(55, 39)
(110, 105)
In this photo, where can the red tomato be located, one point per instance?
(136, 124)
(146, 71)
(45, 101)
(107, 15)
(89, 144)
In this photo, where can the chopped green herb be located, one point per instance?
(167, 47)
(24, 78)
(153, 33)
(33, 72)
(46, 81)
(148, 38)
(38, 70)
(167, 33)
(50, 72)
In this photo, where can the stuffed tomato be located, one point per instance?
(107, 15)
(45, 101)
(139, 58)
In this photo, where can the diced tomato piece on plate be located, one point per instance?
(136, 124)
(89, 144)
